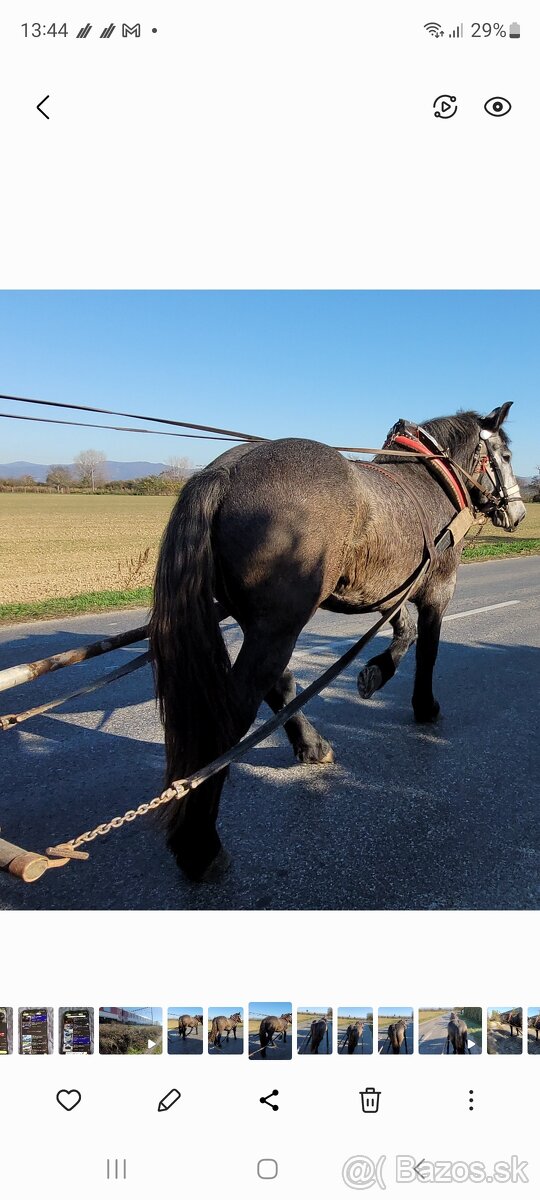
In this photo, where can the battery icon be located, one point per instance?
(515, 30)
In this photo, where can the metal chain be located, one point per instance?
(175, 792)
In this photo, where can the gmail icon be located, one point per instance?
(131, 30)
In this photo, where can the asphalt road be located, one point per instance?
(192, 1044)
(408, 817)
(432, 1036)
(303, 1032)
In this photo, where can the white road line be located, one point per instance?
(470, 612)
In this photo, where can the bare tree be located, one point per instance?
(178, 468)
(59, 477)
(90, 467)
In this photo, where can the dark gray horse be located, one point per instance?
(397, 1036)
(272, 531)
(513, 1018)
(318, 1029)
(221, 1025)
(457, 1035)
(355, 1032)
(186, 1025)
(270, 1027)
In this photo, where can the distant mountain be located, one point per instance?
(113, 470)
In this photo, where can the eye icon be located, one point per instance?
(497, 106)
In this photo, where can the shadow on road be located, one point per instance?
(409, 817)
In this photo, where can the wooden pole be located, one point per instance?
(25, 672)
(25, 864)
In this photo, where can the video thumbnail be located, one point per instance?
(270, 1031)
(314, 1030)
(130, 1030)
(396, 1033)
(226, 1030)
(355, 1030)
(454, 1030)
(185, 1030)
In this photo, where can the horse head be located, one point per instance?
(506, 508)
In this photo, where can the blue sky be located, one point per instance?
(224, 1012)
(185, 1012)
(400, 1011)
(355, 1012)
(261, 1008)
(340, 367)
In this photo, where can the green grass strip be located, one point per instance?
(72, 606)
(501, 549)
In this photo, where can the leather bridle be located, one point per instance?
(486, 466)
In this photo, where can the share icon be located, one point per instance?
(266, 1100)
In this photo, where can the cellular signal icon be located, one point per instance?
(457, 32)
(84, 31)
(108, 31)
(434, 29)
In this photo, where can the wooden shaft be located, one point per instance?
(25, 864)
(25, 672)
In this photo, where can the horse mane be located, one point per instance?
(453, 432)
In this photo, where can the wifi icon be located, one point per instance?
(434, 29)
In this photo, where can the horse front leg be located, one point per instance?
(380, 669)
(308, 744)
(425, 706)
(432, 605)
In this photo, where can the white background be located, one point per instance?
(282, 144)
(289, 143)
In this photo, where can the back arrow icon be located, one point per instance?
(40, 110)
(416, 1169)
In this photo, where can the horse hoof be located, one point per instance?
(369, 681)
(427, 716)
(208, 872)
(218, 868)
(317, 753)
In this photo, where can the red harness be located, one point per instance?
(447, 476)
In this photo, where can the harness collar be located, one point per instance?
(417, 439)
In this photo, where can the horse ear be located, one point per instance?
(495, 419)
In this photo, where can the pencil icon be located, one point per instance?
(168, 1100)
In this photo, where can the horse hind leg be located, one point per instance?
(308, 744)
(192, 834)
(383, 666)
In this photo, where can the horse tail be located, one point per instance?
(213, 1033)
(191, 663)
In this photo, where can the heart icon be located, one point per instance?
(68, 1100)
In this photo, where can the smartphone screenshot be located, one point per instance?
(269, 598)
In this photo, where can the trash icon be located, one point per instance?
(370, 1100)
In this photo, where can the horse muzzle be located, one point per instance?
(510, 516)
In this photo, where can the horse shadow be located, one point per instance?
(409, 817)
